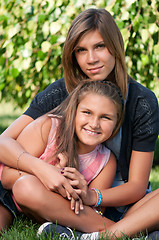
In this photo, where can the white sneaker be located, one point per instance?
(51, 229)
(42, 227)
(90, 236)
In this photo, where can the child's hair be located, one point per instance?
(66, 139)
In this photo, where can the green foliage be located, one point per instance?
(156, 155)
(32, 34)
(154, 178)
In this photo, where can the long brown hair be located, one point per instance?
(66, 139)
(90, 20)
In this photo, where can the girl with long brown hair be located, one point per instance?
(91, 114)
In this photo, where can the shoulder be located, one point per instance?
(137, 90)
(141, 116)
(43, 126)
(55, 90)
(141, 98)
(48, 99)
(104, 151)
(109, 158)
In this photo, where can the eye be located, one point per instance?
(79, 50)
(86, 112)
(105, 117)
(100, 45)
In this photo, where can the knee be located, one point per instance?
(23, 189)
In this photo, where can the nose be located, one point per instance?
(94, 122)
(92, 56)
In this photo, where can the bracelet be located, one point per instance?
(98, 211)
(18, 161)
(99, 197)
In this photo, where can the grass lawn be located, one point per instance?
(23, 228)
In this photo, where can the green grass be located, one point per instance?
(23, 228)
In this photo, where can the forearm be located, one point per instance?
(118, 196)
(135, 188)
(11, 150)
(125, 194)
(9, 177)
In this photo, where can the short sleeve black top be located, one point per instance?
(48, 99)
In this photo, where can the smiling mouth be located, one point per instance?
(96, 69)
(91, 132)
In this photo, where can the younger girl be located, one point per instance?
(90, 115)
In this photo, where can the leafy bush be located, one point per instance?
(156, 155)
(32, 34)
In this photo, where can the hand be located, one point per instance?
(53, 180)
(78, 182)
(62, 160)
(76, 205)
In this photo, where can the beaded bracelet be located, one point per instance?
(99, 197)
(98, 211)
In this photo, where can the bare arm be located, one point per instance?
(31, 140)
(104, 180)
(11, 149)
(130, 192)
(135, 188)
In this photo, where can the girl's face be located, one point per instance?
(95, 121)
(93, 57)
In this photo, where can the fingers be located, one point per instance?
(68, 195)
(76, 181)
(61, 190)
(72, 173)
(70, 190)
(77, 205)
(76, 202)
(63, 159)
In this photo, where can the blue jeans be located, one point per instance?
(7, 201)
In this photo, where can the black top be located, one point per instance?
(140, 128)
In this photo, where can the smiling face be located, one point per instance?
(95, 121)
(93, 57)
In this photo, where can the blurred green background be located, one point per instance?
(32, 34)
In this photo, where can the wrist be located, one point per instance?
(36, 165)
(98, 197)
(92, 197)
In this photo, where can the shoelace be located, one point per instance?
(66, 236)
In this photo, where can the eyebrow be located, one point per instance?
(111, 115)
(101, 42)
